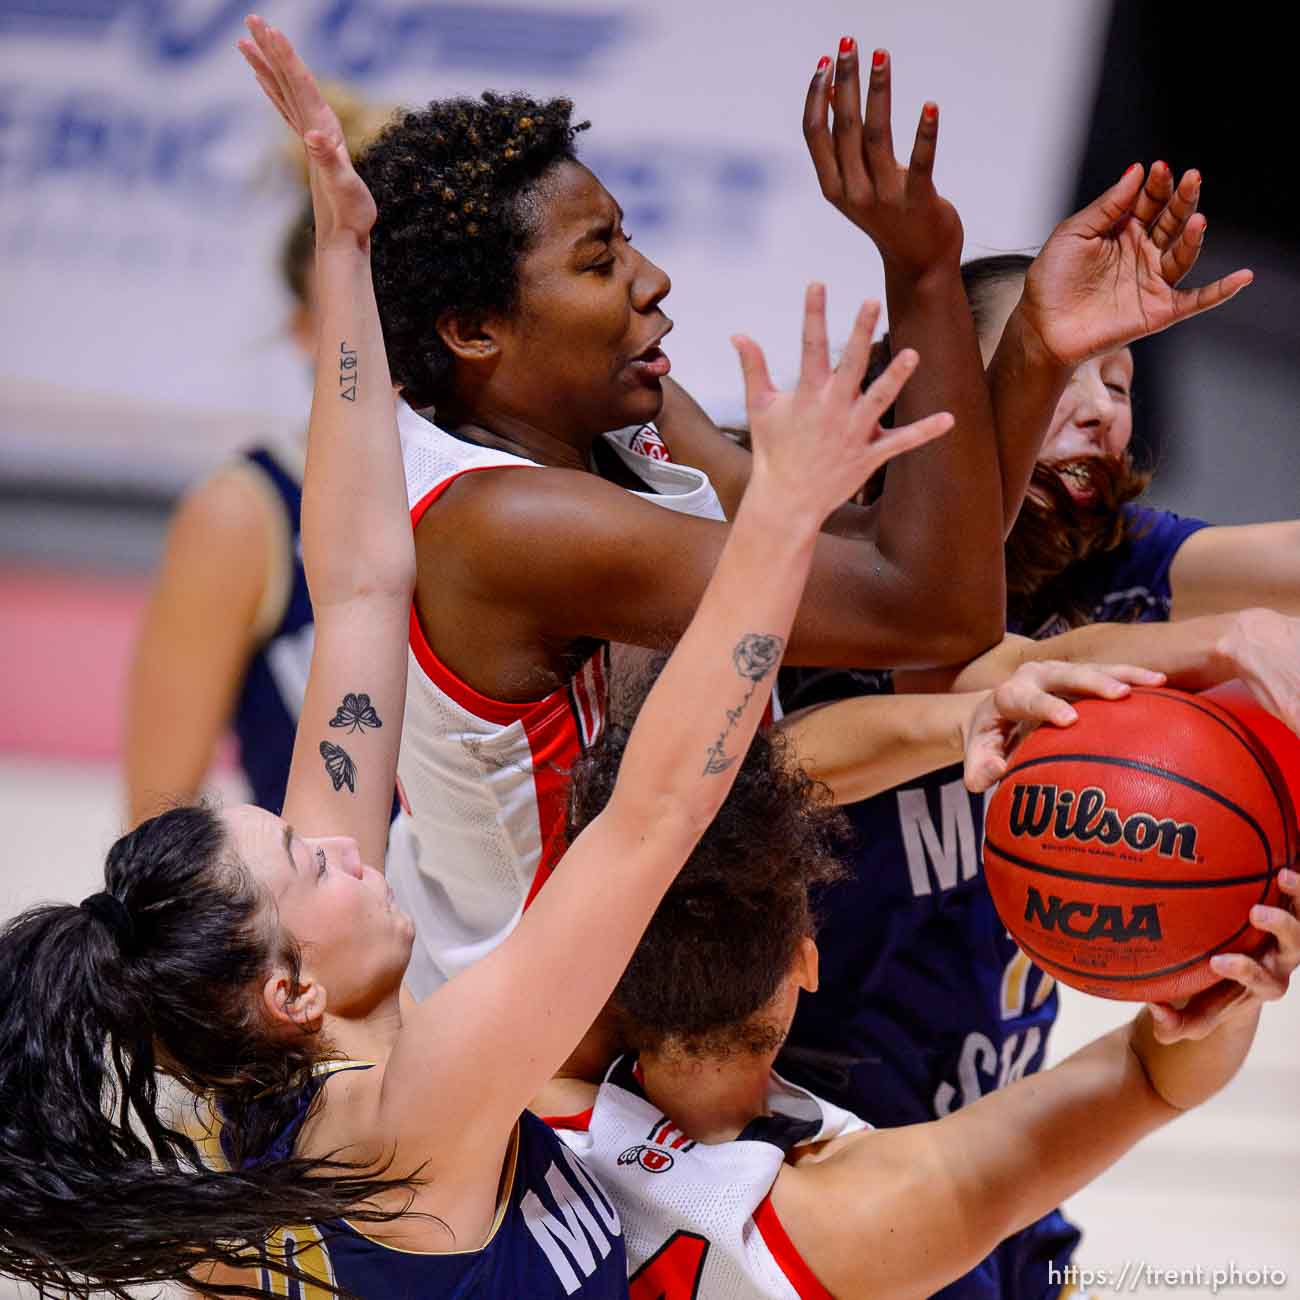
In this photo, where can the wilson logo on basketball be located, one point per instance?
(1092, 921)
(651, 1159)
(1086, 817)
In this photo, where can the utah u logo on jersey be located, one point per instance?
(650, 1159)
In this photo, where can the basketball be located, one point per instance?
(1124, 851)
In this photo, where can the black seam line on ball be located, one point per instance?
(1250, 742)
(1049, 962)
(1151, 770)
(1135, 882)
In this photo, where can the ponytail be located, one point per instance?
(100, 1188)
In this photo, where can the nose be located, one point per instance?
(345, 854)
(1095, 411)
(650, 285)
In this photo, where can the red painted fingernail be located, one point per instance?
(1131, 168)
(931, 111)
(846, 45)
(1159, 162)
(878, 59)
(823, 63)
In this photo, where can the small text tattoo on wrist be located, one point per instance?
(347, 372)
(755, 656)
(338, 763)
(356, 713)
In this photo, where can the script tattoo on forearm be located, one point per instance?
(338, 763)
(755, 655)
(347, 373)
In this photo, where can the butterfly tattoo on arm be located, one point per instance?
(356, 713)
(338, 763)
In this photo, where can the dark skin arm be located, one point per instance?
(518, 565)
(1107, 276)
(952, 492)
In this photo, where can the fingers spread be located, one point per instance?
(817, 135)
(1108, 210)
(920, 170)
(882, 394)
(1169, 225)
(1155, 194)
(815, 367)
(753, 367)
(857, 352)
(878, 133)
(846, 124)
(1191, 302)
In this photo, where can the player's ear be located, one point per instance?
(469, 340)
(807, 963)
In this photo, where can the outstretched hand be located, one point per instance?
(1247, 982)
(914, 227)
(824, 439)
(343, 205)
(1110, 274)
(1034, 694)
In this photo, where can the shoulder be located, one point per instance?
(236, 500)
(1149, 531)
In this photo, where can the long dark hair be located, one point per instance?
(722, 940)
(100, 1186)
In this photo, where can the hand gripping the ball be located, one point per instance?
(1034, 694)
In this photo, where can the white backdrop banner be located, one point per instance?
(140, 205)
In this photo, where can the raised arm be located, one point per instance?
(356, 533)
(941, 511)
(498, 1031)
(1106, 276)
(917, 1207)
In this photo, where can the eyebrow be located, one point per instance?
(601, 231)
(288, 851)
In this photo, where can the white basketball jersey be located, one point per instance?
(698, 1219)
(484, 778)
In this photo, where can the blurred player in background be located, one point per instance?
(227, 637)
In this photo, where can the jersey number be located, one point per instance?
(673, 1272)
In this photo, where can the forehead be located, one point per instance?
(571, 205)
(258, 838)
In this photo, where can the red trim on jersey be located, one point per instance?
(777, 1240)
(555, 736)
(554, 743)
(579, 1123)
(503, 712)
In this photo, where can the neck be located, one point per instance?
(369, 1035)
(711, 1099)
(516, 434)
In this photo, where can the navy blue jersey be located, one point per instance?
(555, 1234)
(925, 1003)
(266, 712)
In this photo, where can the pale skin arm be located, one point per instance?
(917, 1207)
(195, 641)
(358, 550)
(1218, 570)
(1259, 646)
(861, 747)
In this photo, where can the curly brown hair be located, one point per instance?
(727, 931)
(452, 183)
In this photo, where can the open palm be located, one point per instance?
(343, 205)
(1110, 274)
